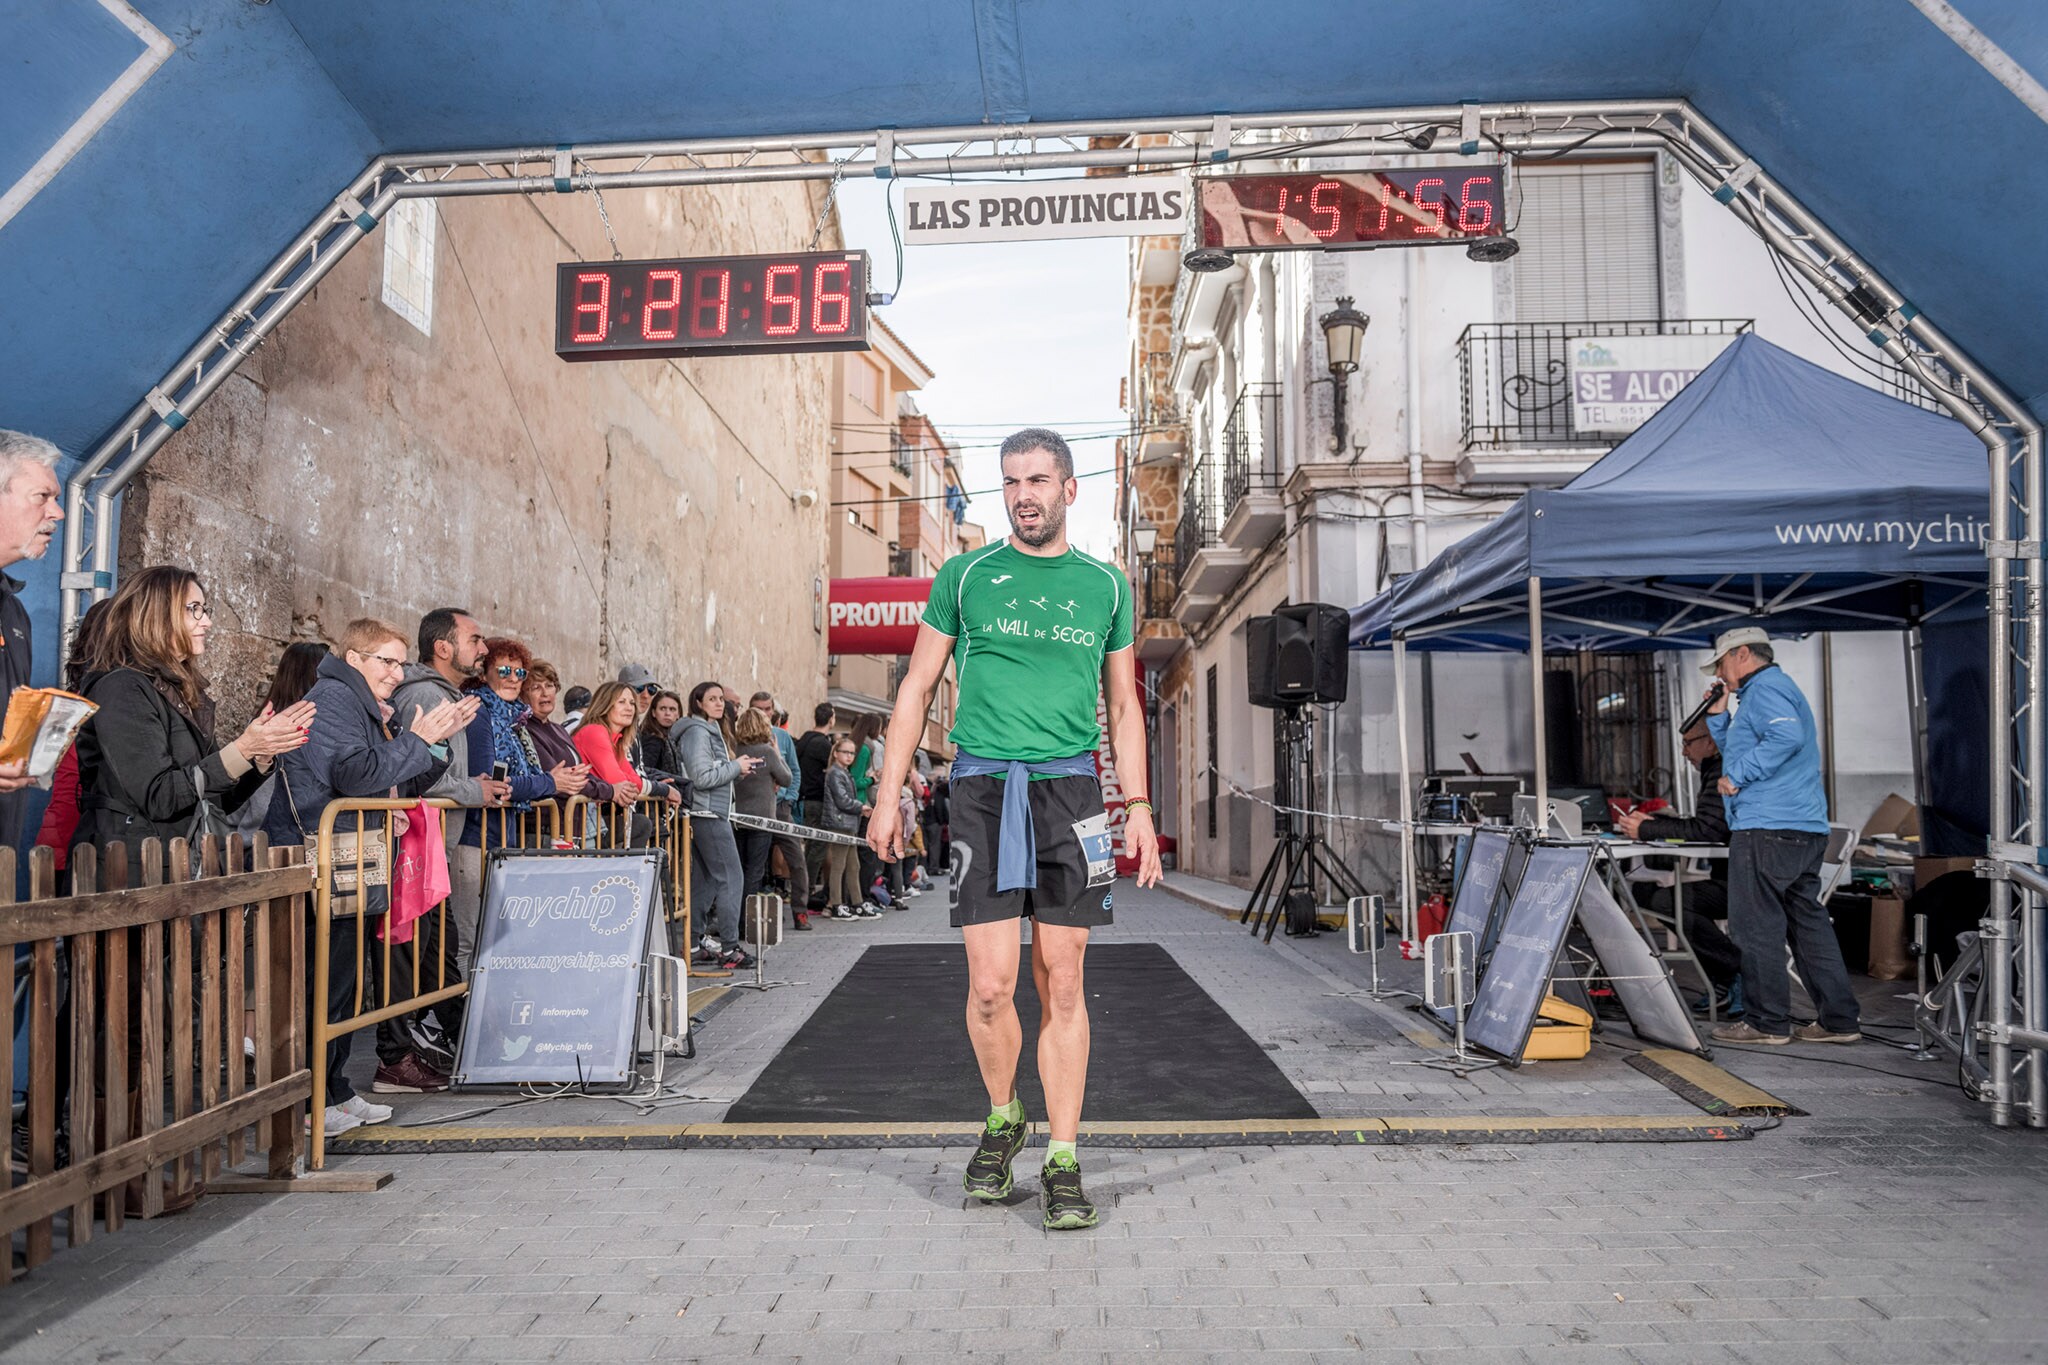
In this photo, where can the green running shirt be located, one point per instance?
(1029, 636)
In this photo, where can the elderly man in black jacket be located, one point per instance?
(1707, 901)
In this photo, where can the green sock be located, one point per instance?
(1055, 1149)
(1013, 1112)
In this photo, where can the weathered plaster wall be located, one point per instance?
(604, 513)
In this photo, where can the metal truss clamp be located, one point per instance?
(2024, 855)
(1219, 139)
(1468, 129)
(78, 579)
(164, 408)
(885, 154)
(359, 215)
(2012, 549)
(565, 169)
(1732, 185)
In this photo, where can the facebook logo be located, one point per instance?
(522, 1012)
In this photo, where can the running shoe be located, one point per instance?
(803, 919)
(431, 1042)
(364, 1111)
(1066, 1208)
(336, 1121)
(988, 1170)
(736, 959)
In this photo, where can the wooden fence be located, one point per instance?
(140, 990)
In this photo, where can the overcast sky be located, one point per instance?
(1017, 334)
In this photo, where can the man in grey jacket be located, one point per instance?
(451, 652)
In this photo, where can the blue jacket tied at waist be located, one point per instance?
(1017, 846)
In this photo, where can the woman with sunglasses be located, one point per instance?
(498, 735)
(148, 764)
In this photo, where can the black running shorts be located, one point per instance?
(1063, 895)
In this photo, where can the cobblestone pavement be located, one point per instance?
(1893, 1225)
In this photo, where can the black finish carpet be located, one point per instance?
(889, 1044)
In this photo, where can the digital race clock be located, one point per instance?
(1352, 209)
(712, 305)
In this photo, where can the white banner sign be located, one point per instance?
(1619, 381)
(1040, 210)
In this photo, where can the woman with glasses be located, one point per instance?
(351, 753)
(498, 735)
(148, 763)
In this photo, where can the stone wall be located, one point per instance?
(604, 513)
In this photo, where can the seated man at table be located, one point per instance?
(1705, 901)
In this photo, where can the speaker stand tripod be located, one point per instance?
(1301, 855)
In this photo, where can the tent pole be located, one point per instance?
(1408, 923)
(1916, 704)
(1536, 700)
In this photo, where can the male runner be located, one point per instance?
(1036, 631)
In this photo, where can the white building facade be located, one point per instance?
(1460, 403)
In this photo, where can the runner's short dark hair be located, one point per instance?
(1039, 438)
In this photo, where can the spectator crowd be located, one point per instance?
(440, 712)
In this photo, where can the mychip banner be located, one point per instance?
(557, 977)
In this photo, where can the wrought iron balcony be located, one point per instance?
(901, 452)
(1161, 582)
(1197, 527)
(1251, 461)
(1516, 378)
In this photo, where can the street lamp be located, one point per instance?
(1343, 338)
(1144, 539)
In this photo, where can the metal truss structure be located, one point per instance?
(2012, 1028)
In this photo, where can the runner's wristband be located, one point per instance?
(1140, 801)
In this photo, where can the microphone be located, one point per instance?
(1713, 695)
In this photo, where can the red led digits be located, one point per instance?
(1317, 206)
(792, 302)
(590, 320)
(710, 302)
(831, 309)
(664, 295)
(1385, 196)
(1468, 219)
(1434, 228)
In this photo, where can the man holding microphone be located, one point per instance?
(1778, 822)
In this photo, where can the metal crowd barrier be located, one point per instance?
(574, 822)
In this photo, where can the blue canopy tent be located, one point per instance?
(1769, 491)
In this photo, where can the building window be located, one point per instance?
(864, 384)
(866, 499)
(409, 231)
(1589, 243)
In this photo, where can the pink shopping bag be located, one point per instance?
(421, 881)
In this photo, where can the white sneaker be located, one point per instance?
(869, 910)
(338, 1120)
(363, 1111)
(844, 912)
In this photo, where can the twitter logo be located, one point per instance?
(514, 1048)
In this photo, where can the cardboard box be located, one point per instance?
(1895, 815)
(1926, 870)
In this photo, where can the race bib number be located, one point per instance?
(1095, 847)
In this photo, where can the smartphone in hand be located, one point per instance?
(500, 771)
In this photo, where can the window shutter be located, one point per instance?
(1589, 243)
